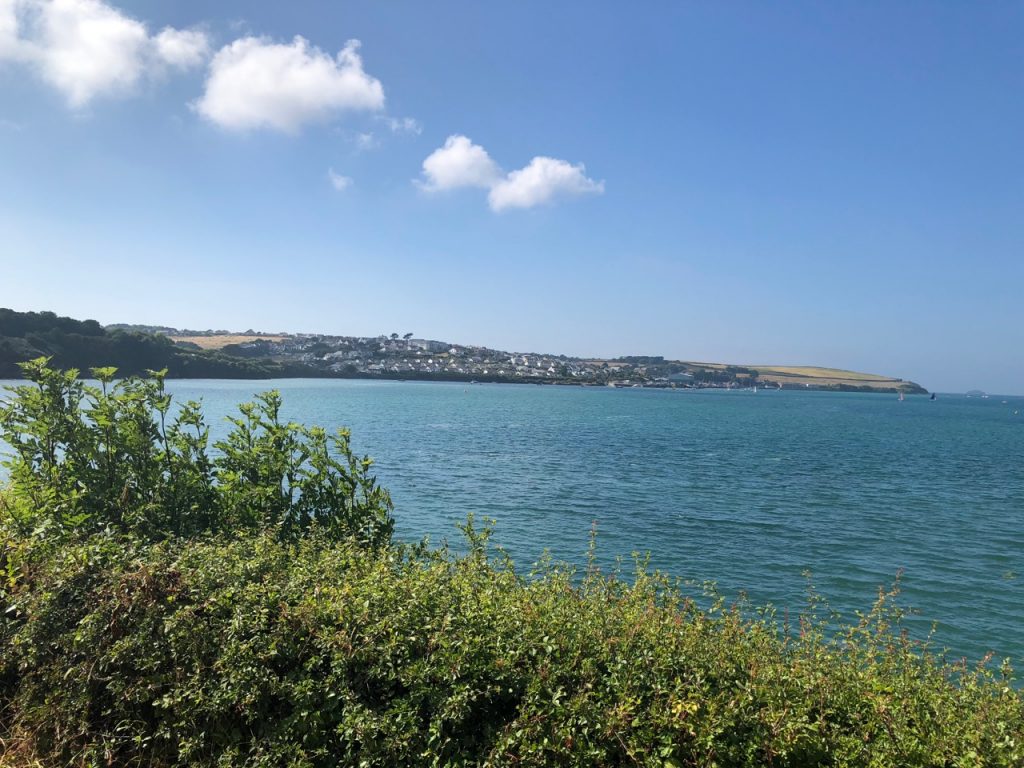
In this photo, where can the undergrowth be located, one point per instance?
(166, 605)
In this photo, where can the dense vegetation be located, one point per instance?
(83, 344)
(169, 603)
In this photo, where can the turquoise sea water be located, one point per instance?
(749, 490)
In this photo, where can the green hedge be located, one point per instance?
(250, 651)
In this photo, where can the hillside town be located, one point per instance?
(405, 357)
(259, 354)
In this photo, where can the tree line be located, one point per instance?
(83, 344)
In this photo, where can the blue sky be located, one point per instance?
(838, 184)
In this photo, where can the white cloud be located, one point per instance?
(11, 46)
(459, 163)
(182, 48)
(86, 48)
(339, 182)
(542, 181)
(256, 83)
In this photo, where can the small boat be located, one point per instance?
(901, 397)
(932, 397)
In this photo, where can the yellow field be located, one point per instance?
(817, 381)
(818, 373)
(223, 340)
(799, 375)
(793, 375)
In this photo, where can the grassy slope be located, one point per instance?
(222, 340)
(820, 373)
(817, 376)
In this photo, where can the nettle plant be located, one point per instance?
(120, 456)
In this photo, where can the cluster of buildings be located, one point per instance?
(407, 357)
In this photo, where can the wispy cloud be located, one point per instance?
(182, 48)
(366, 141)
(404, 125)
(339, 182)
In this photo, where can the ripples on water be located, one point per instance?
(749, 490)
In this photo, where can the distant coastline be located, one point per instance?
(250, 354)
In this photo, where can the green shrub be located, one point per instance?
(246, 650)
(250, 626)
(117, 457)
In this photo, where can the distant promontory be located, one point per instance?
(134, 349)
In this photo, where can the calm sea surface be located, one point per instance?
(749, 490)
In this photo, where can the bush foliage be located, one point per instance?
(246, 608)
(114, 457)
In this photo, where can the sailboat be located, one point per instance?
(901, 397)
